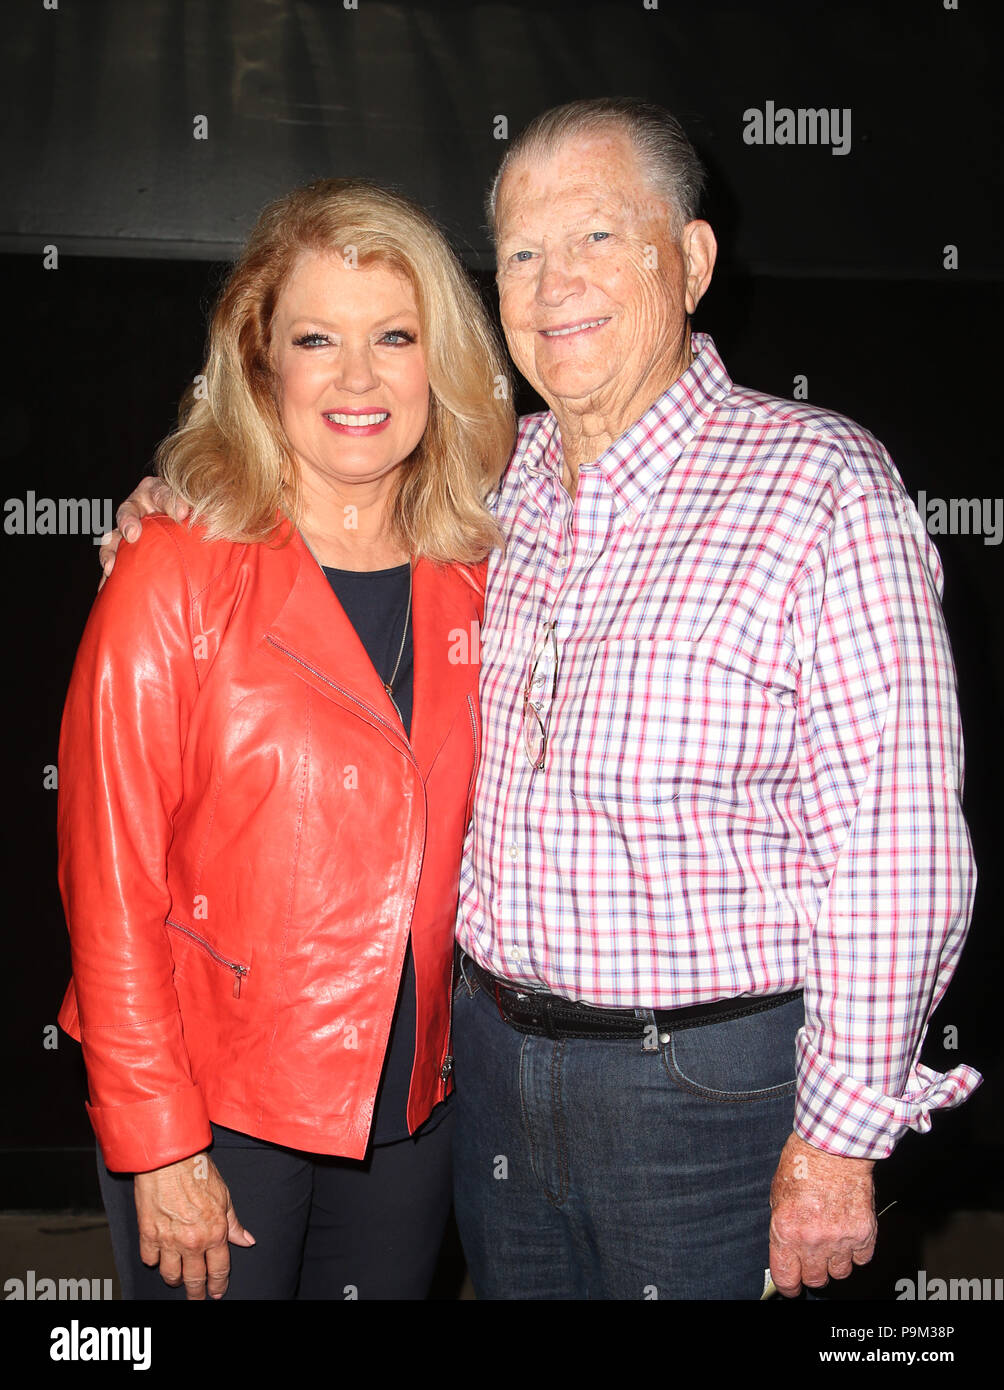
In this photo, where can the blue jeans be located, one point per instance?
(596, 1169)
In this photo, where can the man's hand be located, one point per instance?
(186, 1219)
(152, 495)
(823, 1217)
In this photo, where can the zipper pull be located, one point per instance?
(239, 972)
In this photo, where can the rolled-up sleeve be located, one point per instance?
(881, 774)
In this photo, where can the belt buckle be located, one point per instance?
(497, 988)
(497, 995)
(544, 1001)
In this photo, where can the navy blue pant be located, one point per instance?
(597, 1169)
(325, 1228)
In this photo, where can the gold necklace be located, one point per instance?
(389, 685)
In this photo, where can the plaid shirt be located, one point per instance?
(753, 771)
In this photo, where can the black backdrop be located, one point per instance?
(833, 268)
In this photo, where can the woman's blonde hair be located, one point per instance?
(229, 457)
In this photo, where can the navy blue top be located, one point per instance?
(376, 603)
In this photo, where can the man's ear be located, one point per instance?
(699, 249)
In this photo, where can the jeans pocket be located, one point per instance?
(743, 1059)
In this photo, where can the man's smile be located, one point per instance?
(585, 326)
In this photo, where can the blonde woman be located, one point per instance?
(267, 762)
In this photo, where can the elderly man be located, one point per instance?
(717, 876)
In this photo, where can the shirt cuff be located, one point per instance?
(835, 1112)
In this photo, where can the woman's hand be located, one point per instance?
(152, 495)
(186, 1221)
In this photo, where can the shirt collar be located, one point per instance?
(635, 463)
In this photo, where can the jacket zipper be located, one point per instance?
(477, 749)
(239, 970)
(447, 1063)
(342, 691)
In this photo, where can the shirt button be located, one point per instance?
(516, 953)
(514, 851)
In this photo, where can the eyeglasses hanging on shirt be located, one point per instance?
(538, 695)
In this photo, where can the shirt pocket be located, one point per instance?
(653, 721)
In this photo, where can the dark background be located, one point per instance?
(831, 267)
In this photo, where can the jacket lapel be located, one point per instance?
(313, 632)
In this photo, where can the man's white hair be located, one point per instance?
(668, 159)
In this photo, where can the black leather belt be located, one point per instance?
(550, 1016)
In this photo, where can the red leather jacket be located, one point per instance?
(246, 837)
